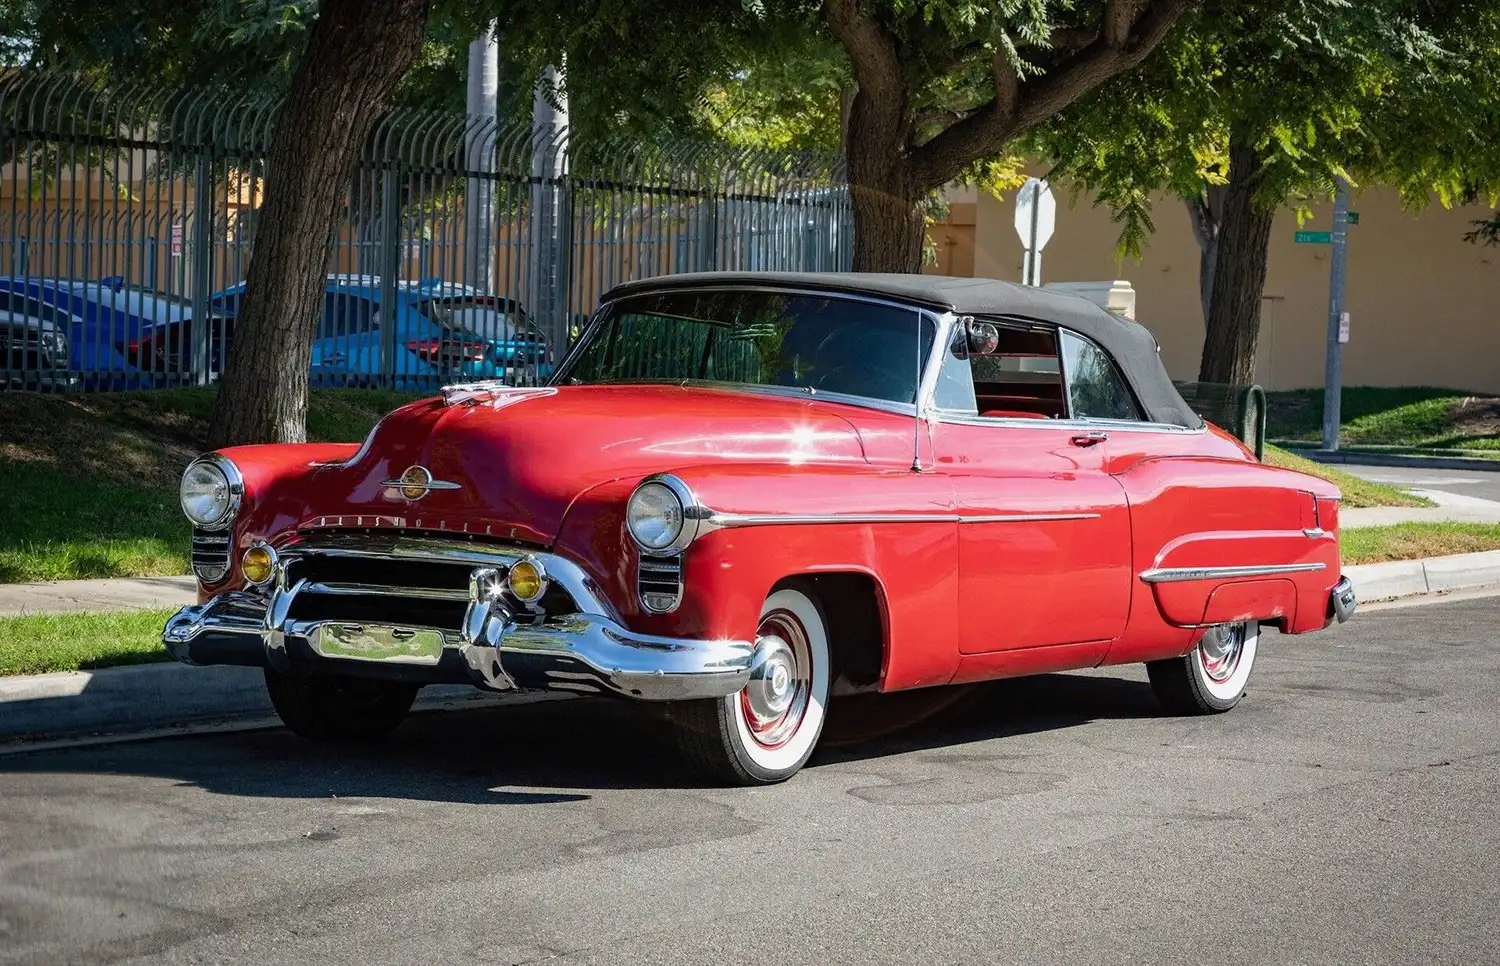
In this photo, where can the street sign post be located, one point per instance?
(1338, 319)
(1036, 216)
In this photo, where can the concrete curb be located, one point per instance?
(153, 696)
(1396, 459)
(1406, 578)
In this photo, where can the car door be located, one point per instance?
(1044, 533)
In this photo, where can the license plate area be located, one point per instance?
(378, 642)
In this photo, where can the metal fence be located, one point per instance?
(466, 248)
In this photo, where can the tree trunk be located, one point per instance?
(358, 51)
(1239, 273)
(1206, 213)
(890, 222)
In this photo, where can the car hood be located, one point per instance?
(510, 463)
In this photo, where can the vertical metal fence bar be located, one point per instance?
(202, 268)
(390, 252)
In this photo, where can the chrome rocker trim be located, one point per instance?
(590, 651)
(1168, 575)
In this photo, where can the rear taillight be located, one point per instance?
(434, 349)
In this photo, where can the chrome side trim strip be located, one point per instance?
(722, 520)
(1024, 517)
(1168, 575)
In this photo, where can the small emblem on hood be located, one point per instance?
(417, 482)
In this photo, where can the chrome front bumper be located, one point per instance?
(578, 652)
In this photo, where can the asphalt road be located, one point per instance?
(1480, 484)
(1347, 812)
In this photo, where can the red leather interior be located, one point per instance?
(1011, 414)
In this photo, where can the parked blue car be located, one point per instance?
(443, 333)
(106, 322)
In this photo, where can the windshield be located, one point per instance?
(812, 342)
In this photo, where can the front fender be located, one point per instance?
(278, 478)
(809, 520)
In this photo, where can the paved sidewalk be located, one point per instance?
(115, 594)
(1382, 516)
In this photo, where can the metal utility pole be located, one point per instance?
(1338, 319)
(549, 148)
(479, 151)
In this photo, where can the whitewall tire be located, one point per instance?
(1213, 676)
(766, 732)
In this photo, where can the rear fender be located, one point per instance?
(1222, 540)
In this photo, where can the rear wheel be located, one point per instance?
(325, 706)
(1213, 676)
(766, 732)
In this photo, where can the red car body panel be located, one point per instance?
(1024, 553)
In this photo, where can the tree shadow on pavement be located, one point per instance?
(562, 751)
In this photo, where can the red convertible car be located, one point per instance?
(742, 494)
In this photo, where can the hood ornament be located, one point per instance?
(417, 482)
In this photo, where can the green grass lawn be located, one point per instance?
(1415, 418)
(1410, 541)
(36, 644)
(90, 481)
(1357, 492)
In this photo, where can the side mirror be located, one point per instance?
(982, 337)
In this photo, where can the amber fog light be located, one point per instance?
(527, 581)
(258, 564)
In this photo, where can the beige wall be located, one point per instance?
(1424, 305)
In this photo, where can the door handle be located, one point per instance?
(1089, 439)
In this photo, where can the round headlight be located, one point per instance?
(654, 516)
(209, 495)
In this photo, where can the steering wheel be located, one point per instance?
(874, 377)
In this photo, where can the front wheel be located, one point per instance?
(766, 732)
(1212, 677)
(333, 706)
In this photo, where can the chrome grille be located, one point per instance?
(660, 583)
(321, 568)
(407, 583)
(210, 554)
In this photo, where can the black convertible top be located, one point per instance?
(1130, 343)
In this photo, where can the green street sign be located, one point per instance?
(1313, 237)
(1353, 217)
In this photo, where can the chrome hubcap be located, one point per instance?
(775, 699)
(770, 689)
(1220, 650)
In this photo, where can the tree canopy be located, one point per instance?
(1252, 107)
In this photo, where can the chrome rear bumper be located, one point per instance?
(581, 653)
(1341, 601)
